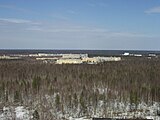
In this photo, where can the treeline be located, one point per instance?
(78, 87)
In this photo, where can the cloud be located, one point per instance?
(153, 10)
(91, 4)
(128, 34)
(99, 4)
(13, 20)
(79, 31)
(72, 36)
(71, 12)
(35, 28)
(66, 28)
(8, 6)
(18, 21)
(15, 8)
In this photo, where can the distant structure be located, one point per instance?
(74, 56)
(69, 61)
(137, 55)
(90, 60)
(126, 54)
(62, 58)
(8, 57)
(152, 55)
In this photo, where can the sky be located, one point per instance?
(80, 24)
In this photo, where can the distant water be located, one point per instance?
(89, 52)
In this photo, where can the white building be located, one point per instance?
(126, 54)
(43, 58)
(74, 56)
(103, 59)
(69, 61)
(90, 60)
(137, 55)
(152, 55)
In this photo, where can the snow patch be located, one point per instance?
(21, 113)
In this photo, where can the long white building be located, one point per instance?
(69, 61)
(74, 56)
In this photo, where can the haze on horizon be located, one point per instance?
(80, 24)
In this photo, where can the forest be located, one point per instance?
(79, 90)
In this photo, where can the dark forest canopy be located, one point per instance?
(134, 80)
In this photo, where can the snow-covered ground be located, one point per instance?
(22, 113)
(113, 110)
(17, 113)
